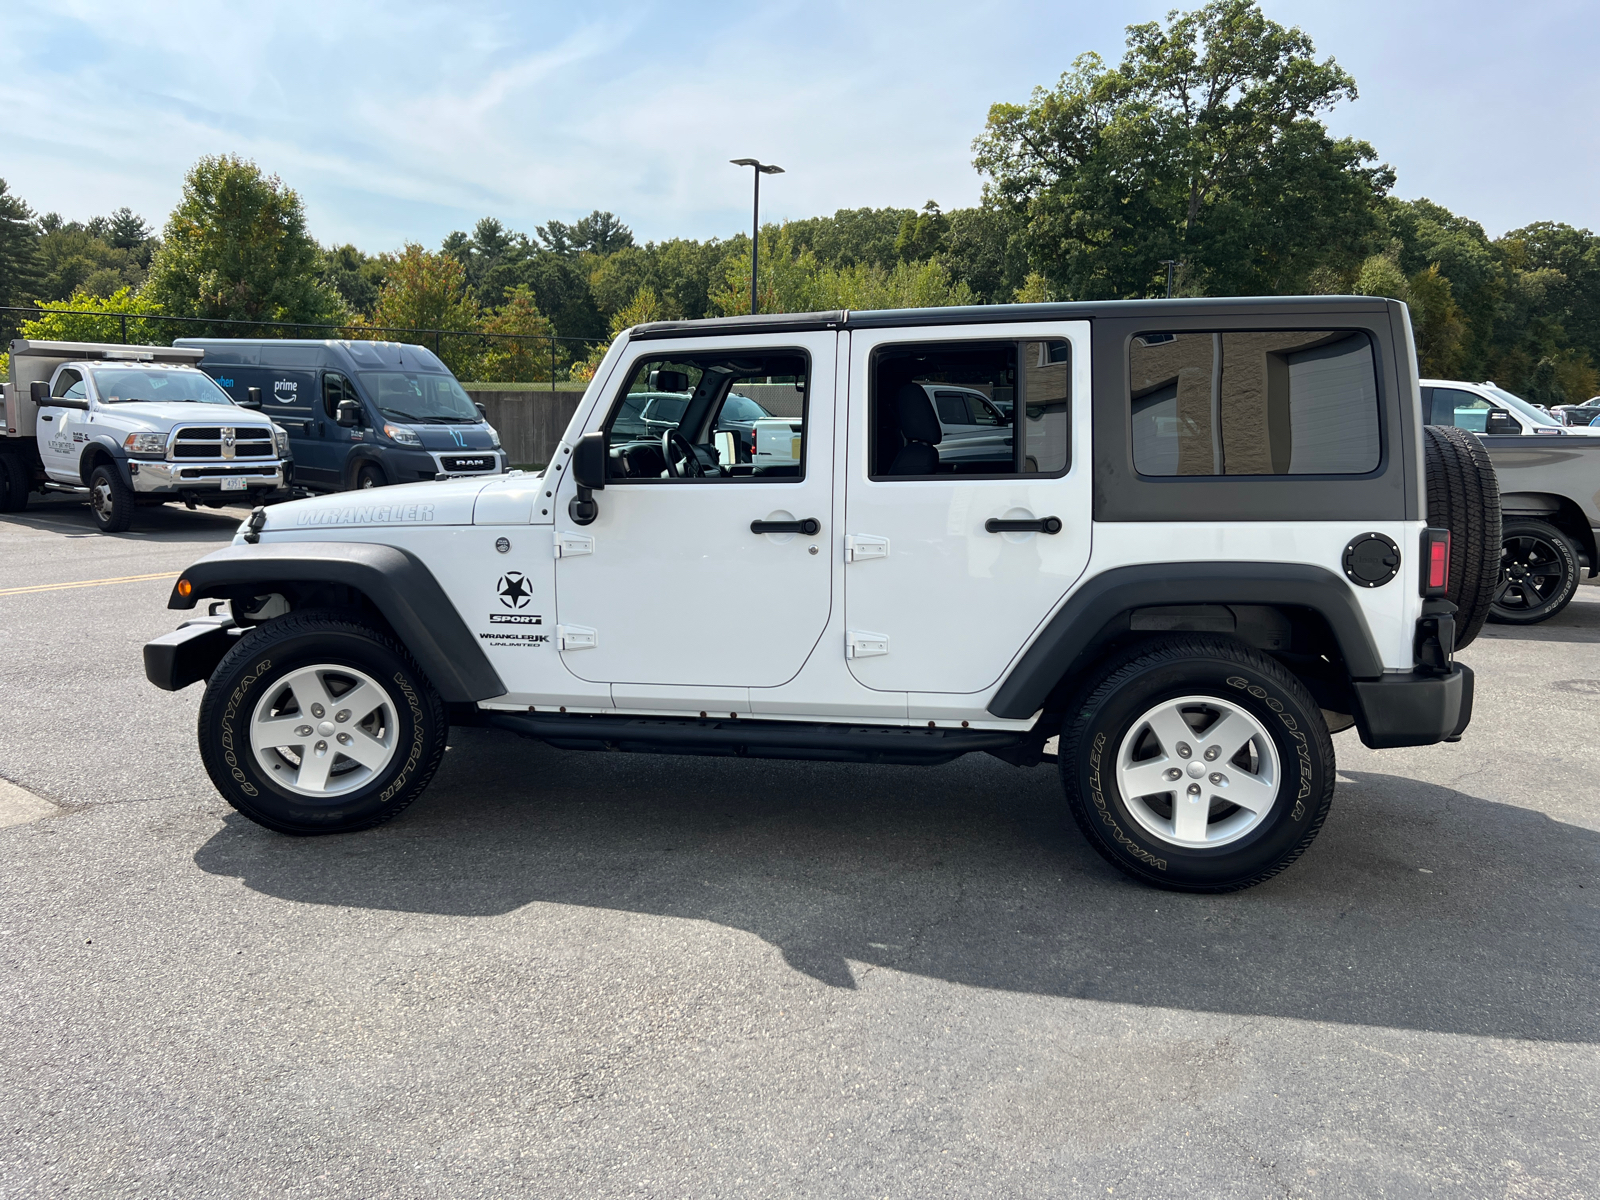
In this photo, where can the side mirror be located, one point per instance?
(589, 473)
(1497, 422)
(349, 413)
(482, 411)
(39, 392)
(252, 398)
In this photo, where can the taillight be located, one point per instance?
(1435, 562)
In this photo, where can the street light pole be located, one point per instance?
(761, 169)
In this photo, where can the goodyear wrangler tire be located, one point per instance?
(1196, 764)
(317, 723)
(1464, 497)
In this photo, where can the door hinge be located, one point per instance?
(860, 644)
(576, 637)
(570, 545)
(859, 547)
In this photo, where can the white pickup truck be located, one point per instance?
(130, 426)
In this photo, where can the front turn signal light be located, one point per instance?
(185, 588)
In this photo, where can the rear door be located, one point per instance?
(671, 586)
(936, 599)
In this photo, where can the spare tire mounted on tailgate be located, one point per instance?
(1464, 497)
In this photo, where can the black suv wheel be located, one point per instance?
(1538, 573)
(1197, 765)
(318, 723)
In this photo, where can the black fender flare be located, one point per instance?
(396, 583)
(1078, 625)
(113, 450)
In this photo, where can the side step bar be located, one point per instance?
(754, 738)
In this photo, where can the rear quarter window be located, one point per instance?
(1300, 402)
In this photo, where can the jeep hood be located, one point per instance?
(443, 502)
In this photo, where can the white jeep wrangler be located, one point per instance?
(1204, 537)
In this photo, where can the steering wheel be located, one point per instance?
(673, 440)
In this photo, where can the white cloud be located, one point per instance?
(402, 121)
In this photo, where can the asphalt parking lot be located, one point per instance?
(562, 974)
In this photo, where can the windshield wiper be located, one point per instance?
(402, 416)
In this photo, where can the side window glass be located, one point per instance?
(952, 408)
(740, 414)
(68, 386)
(1464, 410)
(1004, 409)
(334, 389)
(1301, 402)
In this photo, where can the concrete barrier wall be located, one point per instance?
(530, 423)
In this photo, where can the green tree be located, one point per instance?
(97, 319)
(425, 293)
(598, 233)
(852, 235)
(19, 254)
(923, 236)
(1202, 145)
(982, 252)
(356, 276)
(73, 258)
(236, 248)
(526, 351)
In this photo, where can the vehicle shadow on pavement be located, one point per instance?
(71, 518)
(1578, 622)
(1419, 907)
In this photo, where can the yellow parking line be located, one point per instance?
(56, 587)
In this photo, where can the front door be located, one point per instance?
(671, 585)
(60, 428)
(962, 536)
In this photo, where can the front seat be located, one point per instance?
(920, 427)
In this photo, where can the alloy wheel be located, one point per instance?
(1198, 772)
(324, 730)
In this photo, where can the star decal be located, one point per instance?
(513, 590)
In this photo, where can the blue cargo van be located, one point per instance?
(359, 414)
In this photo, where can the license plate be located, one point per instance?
(233, 485)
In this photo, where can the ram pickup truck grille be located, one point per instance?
(222, 442)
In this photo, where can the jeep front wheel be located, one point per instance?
(1198, 765)
(318, 723)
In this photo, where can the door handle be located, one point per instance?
(806, 525)
(1035, 525)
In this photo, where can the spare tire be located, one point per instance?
(1464, 497)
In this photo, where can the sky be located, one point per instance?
(401, 121)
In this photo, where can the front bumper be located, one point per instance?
(174, 478)
(1413, 708)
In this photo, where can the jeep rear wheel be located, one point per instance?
(1198, 765)
(317, 723)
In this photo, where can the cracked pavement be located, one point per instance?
(564, 974)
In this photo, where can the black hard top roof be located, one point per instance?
(990, 314)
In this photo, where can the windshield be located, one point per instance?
(125, 385)
(413, 396)
(1537, 415)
